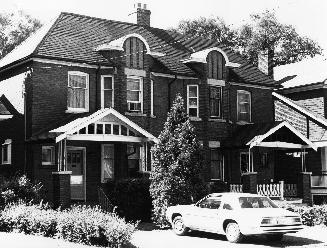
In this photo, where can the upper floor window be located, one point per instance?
(135, 94)
(107, 91)
(243, 106)
(134, 49)
(193, 100)
(48, 157)
(215, 101)
(6, 152)
(216, 65)
(78, 91)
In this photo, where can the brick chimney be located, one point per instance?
(265, 62)
(142, 14)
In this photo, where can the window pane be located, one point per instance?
(107, 83)
(193, 102)
(90, 128)
(133, 84)
(243, 97)
(108, 167)
(108, 151)
(133, 96)
(116, 129)
(77, 81)
(99, 129)
(107, 128)
(46, 155)
(123, 130)
(193, 91)
(76, 98)
(107, 98)
(193, 112)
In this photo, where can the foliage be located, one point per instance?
(80, 224)
(311, 216)
(15, 27)
(132, 197)
(263, 32)
(176, 163)
(19, 187)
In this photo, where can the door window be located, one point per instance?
(107, 162)
(210, 202)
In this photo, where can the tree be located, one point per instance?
(263, 32)
(14, 29)
(177, 167)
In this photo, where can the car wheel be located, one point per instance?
(275, 237)
(179, 226)
(233, 233)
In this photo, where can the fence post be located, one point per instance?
(281, 188)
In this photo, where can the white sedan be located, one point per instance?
(234, 215)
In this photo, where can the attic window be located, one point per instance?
(216, 65)
(134, 49)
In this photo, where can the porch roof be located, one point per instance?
(70, 129)
(271, 134)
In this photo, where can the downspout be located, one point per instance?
(169, 89)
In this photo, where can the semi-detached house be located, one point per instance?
(96, 92)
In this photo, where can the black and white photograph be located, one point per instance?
(163, 124)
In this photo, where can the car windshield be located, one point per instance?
(256, 202)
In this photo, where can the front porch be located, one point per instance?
(97, 149)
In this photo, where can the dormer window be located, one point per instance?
(135, 50)
(216, 65)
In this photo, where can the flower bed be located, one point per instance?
(80, 224)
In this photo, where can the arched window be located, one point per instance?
(216, 65)
(135, 50)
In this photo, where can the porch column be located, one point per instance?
(304, 187)
(61, 188)
(249, 181)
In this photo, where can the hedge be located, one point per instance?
(79, 224)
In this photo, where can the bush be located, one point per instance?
(311, 216)
(132, 198)
(80, 224)
(20, 188)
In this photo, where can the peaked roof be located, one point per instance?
(75, 38)
(82, 122)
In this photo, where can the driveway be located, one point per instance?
(148, 237)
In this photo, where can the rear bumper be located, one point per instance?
(273, 229)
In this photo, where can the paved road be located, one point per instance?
(309, 237)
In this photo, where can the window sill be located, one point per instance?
(4, 163)
(243, 123)
(75, 111)
(153, 116)
(47, 164)
(195, 118)
(217, 119)
(216, 180)
(134, 114)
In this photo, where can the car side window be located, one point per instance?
(211, 203)
(227, 206)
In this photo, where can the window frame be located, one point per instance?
(220, 116)
(197, 100)
(103, 89)
(8, 143)
(140, 93)
(238, 105)
(52, 148)
(249, 167)
(221, 164)
(86, 108)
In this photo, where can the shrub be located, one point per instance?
(132, 197)
(80, 224)
(177, 167)
(20, 188)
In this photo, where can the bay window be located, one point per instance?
(193, 100)
(215, 100)
(243, 106)
(135, 94)
(78, 91)
(107, 91)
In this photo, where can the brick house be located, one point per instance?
(96, 96)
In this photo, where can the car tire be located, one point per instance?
(233, 233)
(179, 226)
(275, 237)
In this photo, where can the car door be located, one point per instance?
(206, 214)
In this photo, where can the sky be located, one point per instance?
(307, 16)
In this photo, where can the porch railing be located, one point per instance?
(271, 189)
(238, 188)
(290, 190)
(104, 201)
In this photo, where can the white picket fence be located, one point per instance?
(271, 189)
(237, 188)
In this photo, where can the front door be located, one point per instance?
(75, 164)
